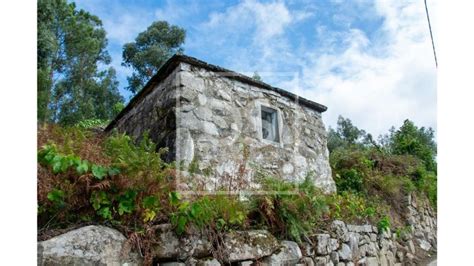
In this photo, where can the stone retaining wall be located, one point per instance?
(342, 244)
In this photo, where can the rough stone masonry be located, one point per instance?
(224, 127)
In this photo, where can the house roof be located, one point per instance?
(174, 61)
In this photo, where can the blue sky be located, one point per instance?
(370, 61)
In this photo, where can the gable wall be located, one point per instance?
(219, 133)
(154, 114)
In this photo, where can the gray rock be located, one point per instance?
(362, 262)
(252, 245)
(89, 245)
(425, 245)
(385, 244)
(411, 246)
(345, 253)
(372, 249)
(400, 256)
(390, 258)
(340, 230)
(334, 256)
(289, 254)
(320, 261)
(209, 262)
(191, 261)
(373, 237)
(354, 244)
(383, 259)
(245, 263)
(372, 261)
(363, 250)
(333, 245)
(169, 246)
(307, 249)
(307, 261)
(173, 263)
(322, 244)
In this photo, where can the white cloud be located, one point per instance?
(265, 20)
(125, 27)
(377, 82)
(176, 13)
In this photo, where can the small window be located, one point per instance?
(270, 124)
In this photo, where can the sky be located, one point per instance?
(370, 61)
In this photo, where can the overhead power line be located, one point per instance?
(431, 34)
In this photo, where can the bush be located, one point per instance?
(384, 224)
(355, 208)
(92, 123)
(216, 213)
(290, 210)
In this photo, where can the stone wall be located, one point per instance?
(219, 127)
(156, 115)
(212, 123)
(342, 244)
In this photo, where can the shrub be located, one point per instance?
(92, 123)
(128, 183)
(384, 224)
(353, 207)
(350, 169)
(216, 213)
(290, 210)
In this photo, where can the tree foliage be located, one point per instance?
(74, 80)
(401, 161)
(256, 76)
(150, 50)
(419, 142)
(345, 135)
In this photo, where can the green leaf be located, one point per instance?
(105, 213)
(98, 171)
(150, 202)
(57, 167)
(175, 197)
(125, 207)
(98, 199)
(113, 171)
(148, 215)
(181, 227)
(82, 167)
(221, 223)
(56, 195)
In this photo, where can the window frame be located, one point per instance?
(275, 123)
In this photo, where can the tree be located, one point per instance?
(256, 76)
(345, 135)
(419, 142)
(150, 50)
(71, 46)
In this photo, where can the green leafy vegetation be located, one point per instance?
(384, 224)
(75, 79)
(383, 172)
(289, 210)
(92, 123)
(150, 50)
(88, 177)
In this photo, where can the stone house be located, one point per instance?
(224, 127)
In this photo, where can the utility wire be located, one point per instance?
(431, 34)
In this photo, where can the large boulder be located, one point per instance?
(169, 246)
(289, 254)
(90, 245)
(249, 245)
